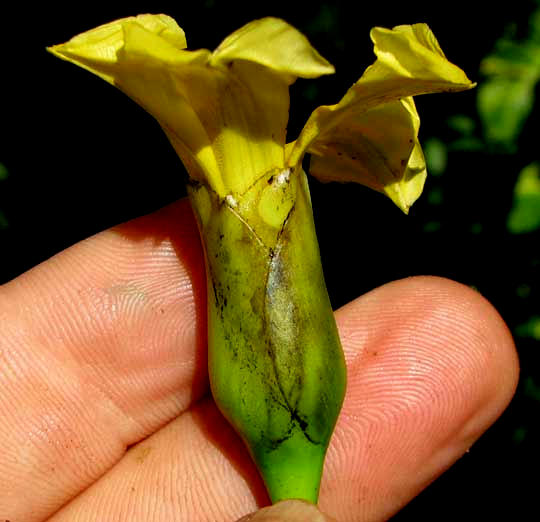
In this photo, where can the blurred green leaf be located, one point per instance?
(432, 226)
(530, 328)
(506, 97)
(532, 390)
(525, 213)
(3, 221)
(519, 434)
(435, 196)
(523, 291)
(517, 59)
(462, 124)
(3, 172)
(534, 25)
(467, 143)
(476, 228)
(465, 127)
(436, 156)
(504, 105)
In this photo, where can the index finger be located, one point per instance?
(100, 346)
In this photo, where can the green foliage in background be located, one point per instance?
(525, 213)
(505, 100)
(496, 141)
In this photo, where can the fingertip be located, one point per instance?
(431, 365)
(479, 328)
(435, 306)
(485, 332)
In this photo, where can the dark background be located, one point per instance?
(77, 156)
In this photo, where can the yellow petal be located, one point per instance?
(365, 148)
(371, 135)
(143, 57)
(274, 43)
(97, 49)
(410, 62)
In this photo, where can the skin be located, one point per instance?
(106, 413)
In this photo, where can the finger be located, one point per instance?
(100, 346)
(431, 365)
(433, 369)
(288, 511)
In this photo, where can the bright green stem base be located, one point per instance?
(275, 361)
(293, 469)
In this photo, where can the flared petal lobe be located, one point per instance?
(275, 44)
(386, 158)
(224, 112)
(371, 135)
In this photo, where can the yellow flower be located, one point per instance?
(275, 362)
(225, 112)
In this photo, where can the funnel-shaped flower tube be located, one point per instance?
(276, 366)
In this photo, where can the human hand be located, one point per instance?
(105, 413)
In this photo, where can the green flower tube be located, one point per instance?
(275, 362)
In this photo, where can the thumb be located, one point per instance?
(288, 511)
